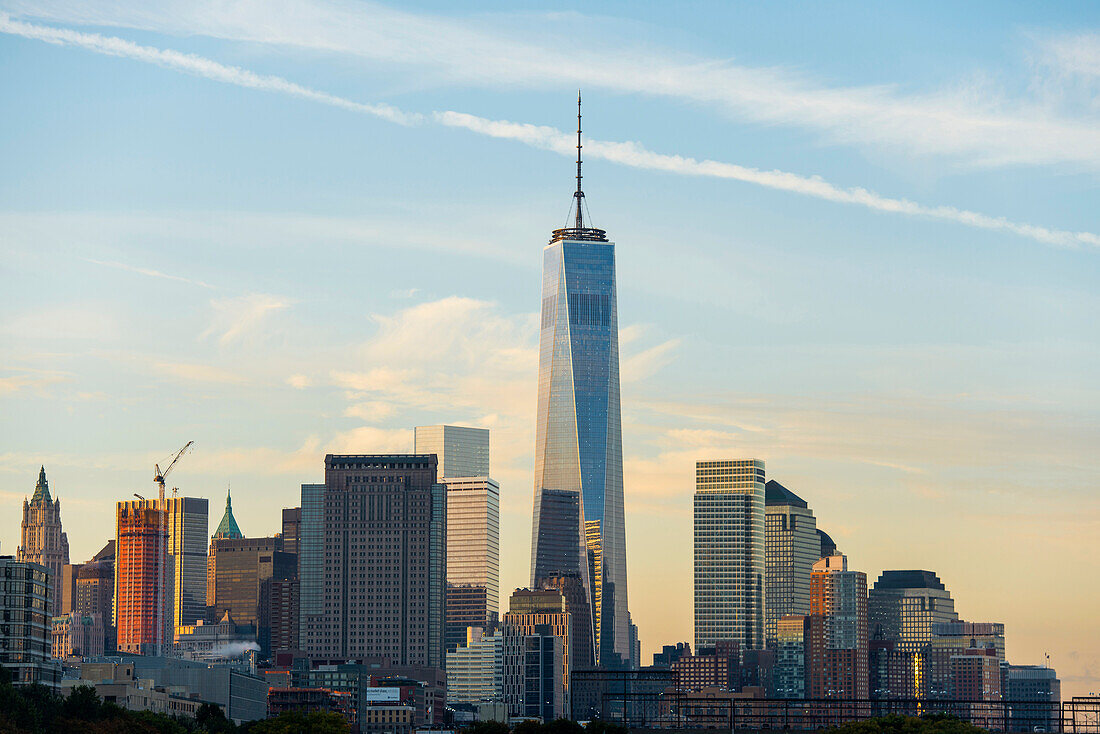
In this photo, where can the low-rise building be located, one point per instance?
(215, 642)
(117, 683)
(288, 698)
(242, 695)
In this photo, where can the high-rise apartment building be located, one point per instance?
(461, 451)
(382, 561)
(142, 612)
(956, 638)
(42, 539)
(475, 670)
(26, 624)
(160, 569)
(473, 526)
(791, 547)
(579, 525)
(729, 553)
(838, 630)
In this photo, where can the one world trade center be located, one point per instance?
(578, 541)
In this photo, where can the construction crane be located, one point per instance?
(159, 476)
(162, 551)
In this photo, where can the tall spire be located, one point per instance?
(42, 488)
(228, 528)
(580, 194)
(579, 231)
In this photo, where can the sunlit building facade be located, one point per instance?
(729, 553)
(838, 631)
(461, 451)
(42, 540)
(579, 519)
(142, 614)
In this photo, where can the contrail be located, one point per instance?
(547, 138)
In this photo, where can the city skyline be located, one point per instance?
(884, 366)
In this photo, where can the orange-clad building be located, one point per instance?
(838, 630)
(140, 606)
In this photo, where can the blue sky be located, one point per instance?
(858, 241)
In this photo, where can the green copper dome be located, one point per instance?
(227, 528)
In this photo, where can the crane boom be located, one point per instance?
(159, 476)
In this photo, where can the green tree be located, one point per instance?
(603, 727)
(298, 722)
(210, 719)
(486, 727)
(563, 726)
(83, 704)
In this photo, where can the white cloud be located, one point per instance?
(148, 271)
(36, 383)
(558, 51)
(299, 382)
(236, 318)
(547, 138)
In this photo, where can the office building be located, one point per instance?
(311, 563)
(791, 547)
(292, 529)
(188, 525)
(227, 528)
(571, 587)
(838, 630)
(537, 630)
(26, 624)
(213, 642)
(670, 654)
(460, 451)
(142, 614)
(1034, 694)
(382, 561)
(475, 670)
(729, 553)
(903, 606)
(42, 540)
(94, 591)
(578, 524)
(473, 555)
(792, 655)
(955, 638)
(244, 571)
(828, 547)
(241, 694)
(893, 674)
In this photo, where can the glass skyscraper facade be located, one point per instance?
(460, 450)
(729, 553)
(791, 547)
(578, 522)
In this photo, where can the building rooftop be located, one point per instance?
(228, 528)
(911, 579)
(776, 494)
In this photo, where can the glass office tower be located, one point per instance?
(729, 553)
(578, 524)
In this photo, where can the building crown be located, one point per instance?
(42, 489)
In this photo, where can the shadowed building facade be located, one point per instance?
(578, 525)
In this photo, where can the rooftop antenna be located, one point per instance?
(579, 231)
(580, 194)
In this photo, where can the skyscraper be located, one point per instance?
(473, 526)
(838, 630)
(43, 541)
(578, 525)
(382, 561)
(188, 525)
(26, 608)
(729, 553)
(791, 547)
(537, 665)
(460, 450)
